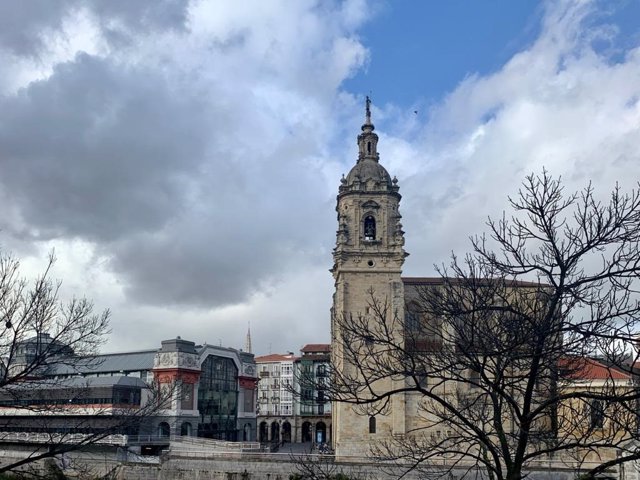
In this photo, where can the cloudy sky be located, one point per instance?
(182, 158)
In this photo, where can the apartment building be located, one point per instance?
(292, 404)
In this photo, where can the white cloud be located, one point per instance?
(175, 157)
(560, 104)
(184, 161)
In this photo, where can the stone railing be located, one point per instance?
(62, 438)
(213, 446)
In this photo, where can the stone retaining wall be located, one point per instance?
(235, 466)
(269, 469)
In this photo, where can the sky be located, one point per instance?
(182, 159)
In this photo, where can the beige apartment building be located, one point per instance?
(292, 405)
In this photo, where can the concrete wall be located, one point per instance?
(270, 468)
(234, 466)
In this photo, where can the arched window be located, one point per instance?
(264, 432)
(306, 432)
(372, 424)
(321, 432)
(164, 430)
(369, 147)
(369, 228)
(286, 432)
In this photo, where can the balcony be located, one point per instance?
(264, 374)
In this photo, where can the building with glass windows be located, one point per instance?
(292, 405)
(215, 393)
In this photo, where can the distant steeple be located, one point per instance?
(247, 343)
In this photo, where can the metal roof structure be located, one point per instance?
(108, 363)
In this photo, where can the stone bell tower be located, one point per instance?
(368, 260)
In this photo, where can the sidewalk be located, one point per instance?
(296, 448)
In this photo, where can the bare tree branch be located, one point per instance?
(523, 351)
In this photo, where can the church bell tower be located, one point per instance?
(368, 260)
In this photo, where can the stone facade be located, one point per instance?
(177, 363)
(368, 260)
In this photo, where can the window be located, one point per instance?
(218, 397)
(185, 429)
(597, 414)
(372, 424)
(474, 378)
(369, 228)
(164, 430)
(412, 319)
(248, 400)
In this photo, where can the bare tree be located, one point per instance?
(39, 334)
(521, 353)
(59, 331)
(323, 467)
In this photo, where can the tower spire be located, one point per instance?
(247, 343)
(367, 120)
(367, 140)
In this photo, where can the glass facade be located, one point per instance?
(218, 399)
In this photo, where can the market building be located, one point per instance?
(213, 393)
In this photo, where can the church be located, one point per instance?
(368, 258)
(426, 363)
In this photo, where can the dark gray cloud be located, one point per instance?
(27, 28)
(99, 150)
(23, 24)
(193, 173)
(147, 169)
(243, 229)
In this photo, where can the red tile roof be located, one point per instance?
(316, 347)
(276, 357)
(439, 281)
(590, 369)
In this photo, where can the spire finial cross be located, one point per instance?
(368, 110)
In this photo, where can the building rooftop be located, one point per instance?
(316, 348)
(111, 362)
(78, 383)
(439, 281)
(590, 369)
(276, 357)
